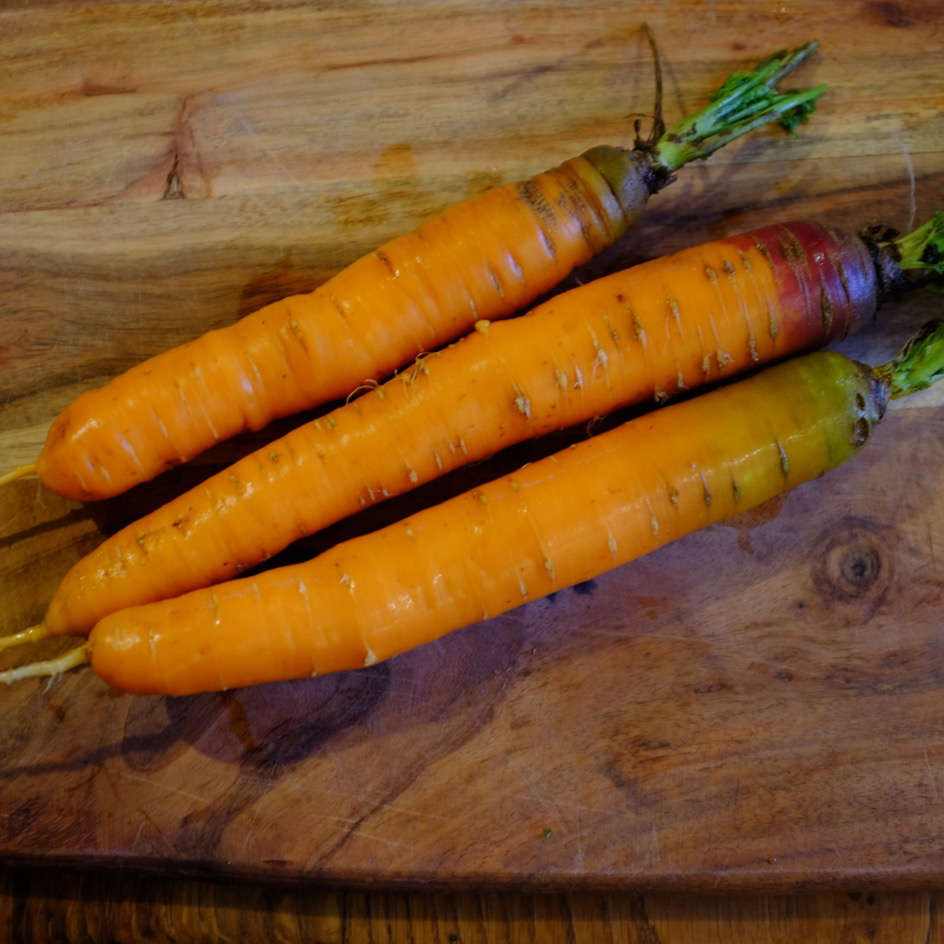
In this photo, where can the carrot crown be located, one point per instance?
(923, 249)
(745, 101)
(906, 262)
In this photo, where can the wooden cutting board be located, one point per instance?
(758, 705)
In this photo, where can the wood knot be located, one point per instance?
(853, 568)
(890, 13)
(860, 567)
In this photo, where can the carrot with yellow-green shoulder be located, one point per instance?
(554, 523)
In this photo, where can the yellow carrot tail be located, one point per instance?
(32, 634)
(19, 473)
(48, 667)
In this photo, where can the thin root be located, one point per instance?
(368, 384)
(21, 473)
(25, 635)
(68, 660)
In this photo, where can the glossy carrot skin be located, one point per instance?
(553, 523)
(668, 325)
(484, 258)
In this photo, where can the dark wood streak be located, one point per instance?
(96, 906)
(75, 516)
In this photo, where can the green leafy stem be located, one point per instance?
(744, 102)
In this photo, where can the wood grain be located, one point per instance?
(758, 706)
(98, 907)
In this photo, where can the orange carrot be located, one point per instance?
(675, 323)
(483, 259)
(554, 523)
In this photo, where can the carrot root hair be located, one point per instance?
(32, 634)
(19, 473)
(364, 387)
(48, 667)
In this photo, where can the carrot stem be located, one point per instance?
(68, 660)
(19, 473)
(744, 102)
(923, 249)
(919, 364)
(32, 634)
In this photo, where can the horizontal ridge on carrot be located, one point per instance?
(558, 521)
(485, 258)
(671, 324)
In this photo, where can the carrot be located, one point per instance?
(483, 259)
(671, 324)
(561, 520)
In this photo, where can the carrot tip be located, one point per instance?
(68, 660)
(20, 473)
(26, 635)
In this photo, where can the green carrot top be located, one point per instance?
(919, 364)
(909, 261)
(744, 102)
